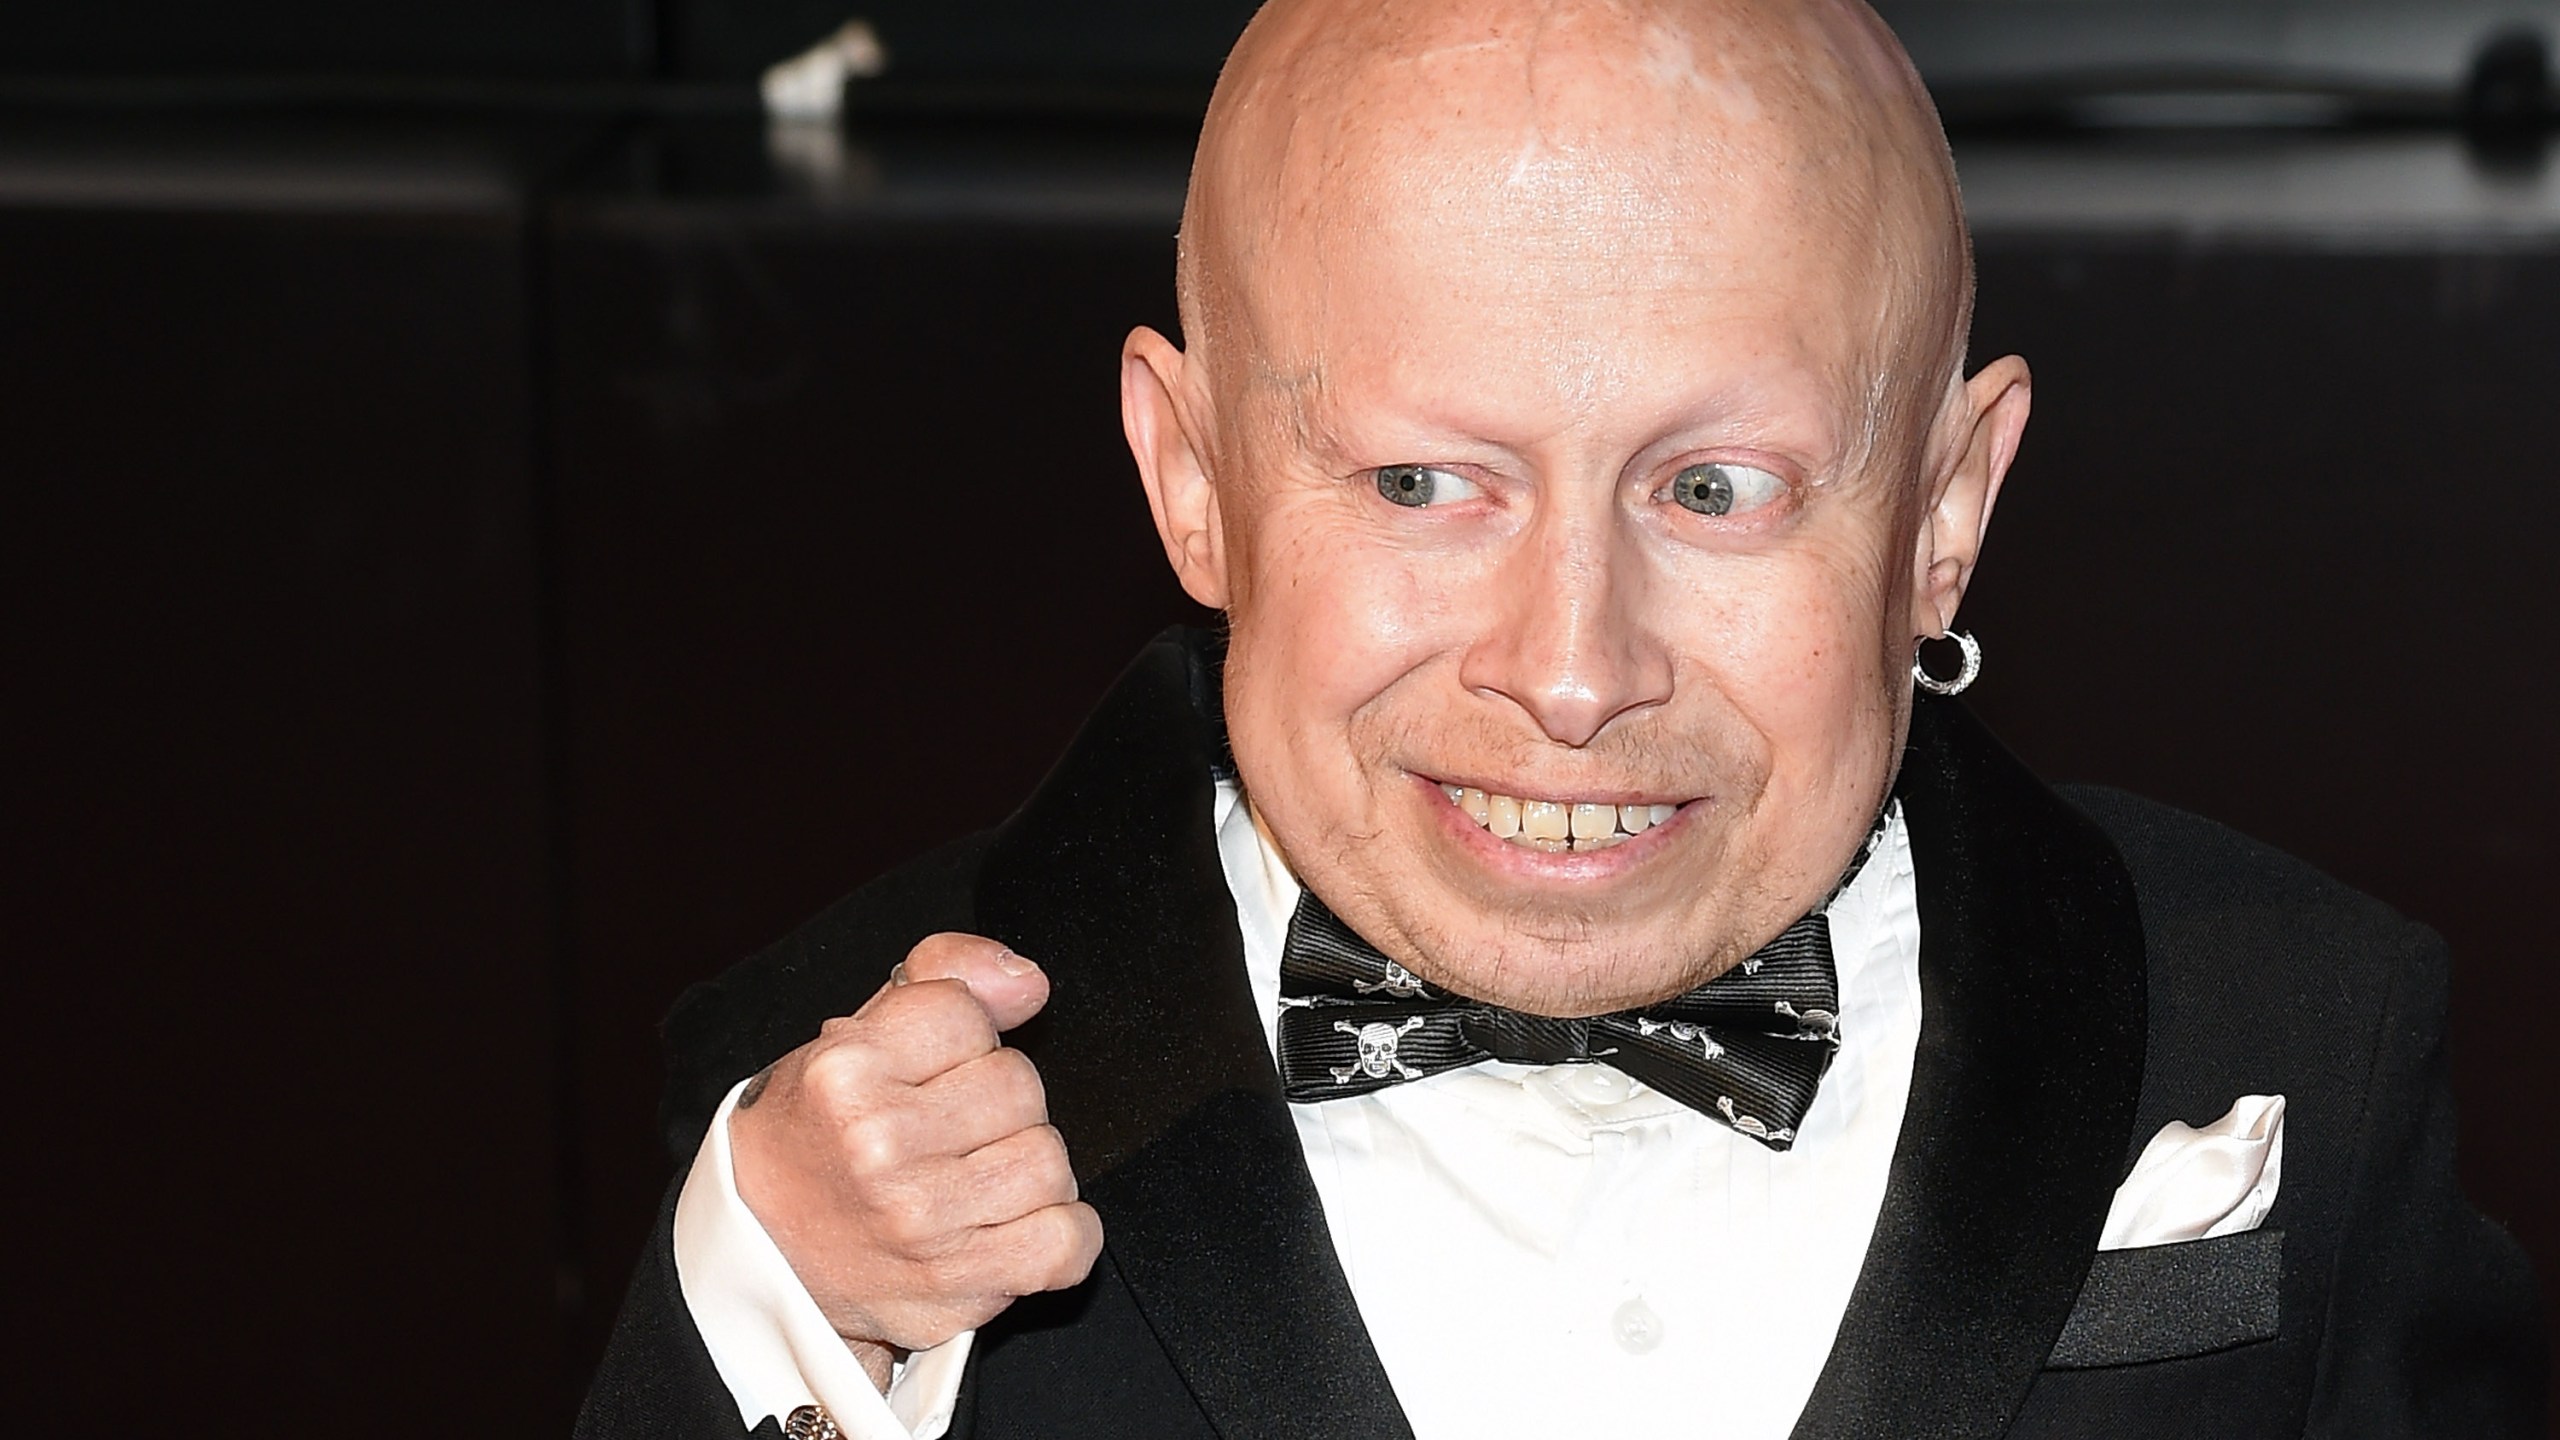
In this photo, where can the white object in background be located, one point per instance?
(2193, 1184)
(810, 85)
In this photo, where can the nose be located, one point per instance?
(1566, 636)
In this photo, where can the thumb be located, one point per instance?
(1010, 988)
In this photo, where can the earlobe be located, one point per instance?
(1165, 441)
(1992, 414)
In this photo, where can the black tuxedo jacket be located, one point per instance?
(2092, 967)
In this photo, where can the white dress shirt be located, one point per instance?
(1536, 1250)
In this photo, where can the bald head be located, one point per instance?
(1569, 422)
(1627, 136)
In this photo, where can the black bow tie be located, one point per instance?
(1748, 1047)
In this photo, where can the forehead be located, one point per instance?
(1528, 281)
(1609, 209)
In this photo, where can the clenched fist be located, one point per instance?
(904, 1163)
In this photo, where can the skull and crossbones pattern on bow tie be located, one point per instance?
(1748, 1047)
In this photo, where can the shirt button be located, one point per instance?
(1597, 1085)
(1638, 1329)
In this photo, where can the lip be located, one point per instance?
(1596, 797)
(1522, 865)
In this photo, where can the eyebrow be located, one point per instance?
(1744, 412)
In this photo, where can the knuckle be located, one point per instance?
(890, 1008)
(1017, 1076)
(1086, 1223)
(829, 1070)
(1069, 1273)
(937, 1008)
(844, 1073)
(950, 1279)
(1076, 1242)
(923, 993)
(1084, 1227)
(908, 1230)
(873, 1146)
(1051, 1170)
(966, 1018)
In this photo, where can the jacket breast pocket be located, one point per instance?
(2166, 1302)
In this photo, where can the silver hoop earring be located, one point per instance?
(1964, 677)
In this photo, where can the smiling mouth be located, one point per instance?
(1556, 827)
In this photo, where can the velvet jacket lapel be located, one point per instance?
(1158, 1074)
(2029, 1066)
(2033, 1020)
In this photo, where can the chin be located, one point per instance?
(1562, 933)
(1536, 955)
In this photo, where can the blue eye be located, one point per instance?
(1419, 485)
(1725, 489)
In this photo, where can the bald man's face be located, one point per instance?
(1572, 561)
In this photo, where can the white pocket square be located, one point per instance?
(2193, 1184)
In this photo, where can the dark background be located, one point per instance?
(492, 531)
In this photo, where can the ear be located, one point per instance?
(1987, 419)
(1168, 448)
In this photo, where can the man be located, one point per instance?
(1539, 971)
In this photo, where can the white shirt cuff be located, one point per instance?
(772, 1346)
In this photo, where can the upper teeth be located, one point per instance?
(1557, 825)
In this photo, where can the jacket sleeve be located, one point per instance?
(658, 1377)
(657, 1381)
(2433, 1327)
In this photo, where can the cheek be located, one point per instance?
(1798, 651)
(1340, 613)
(1359, 605)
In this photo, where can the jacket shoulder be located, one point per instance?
(2187, 869)
(2404, 1310)
(725, 1029)
(2267, 977)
